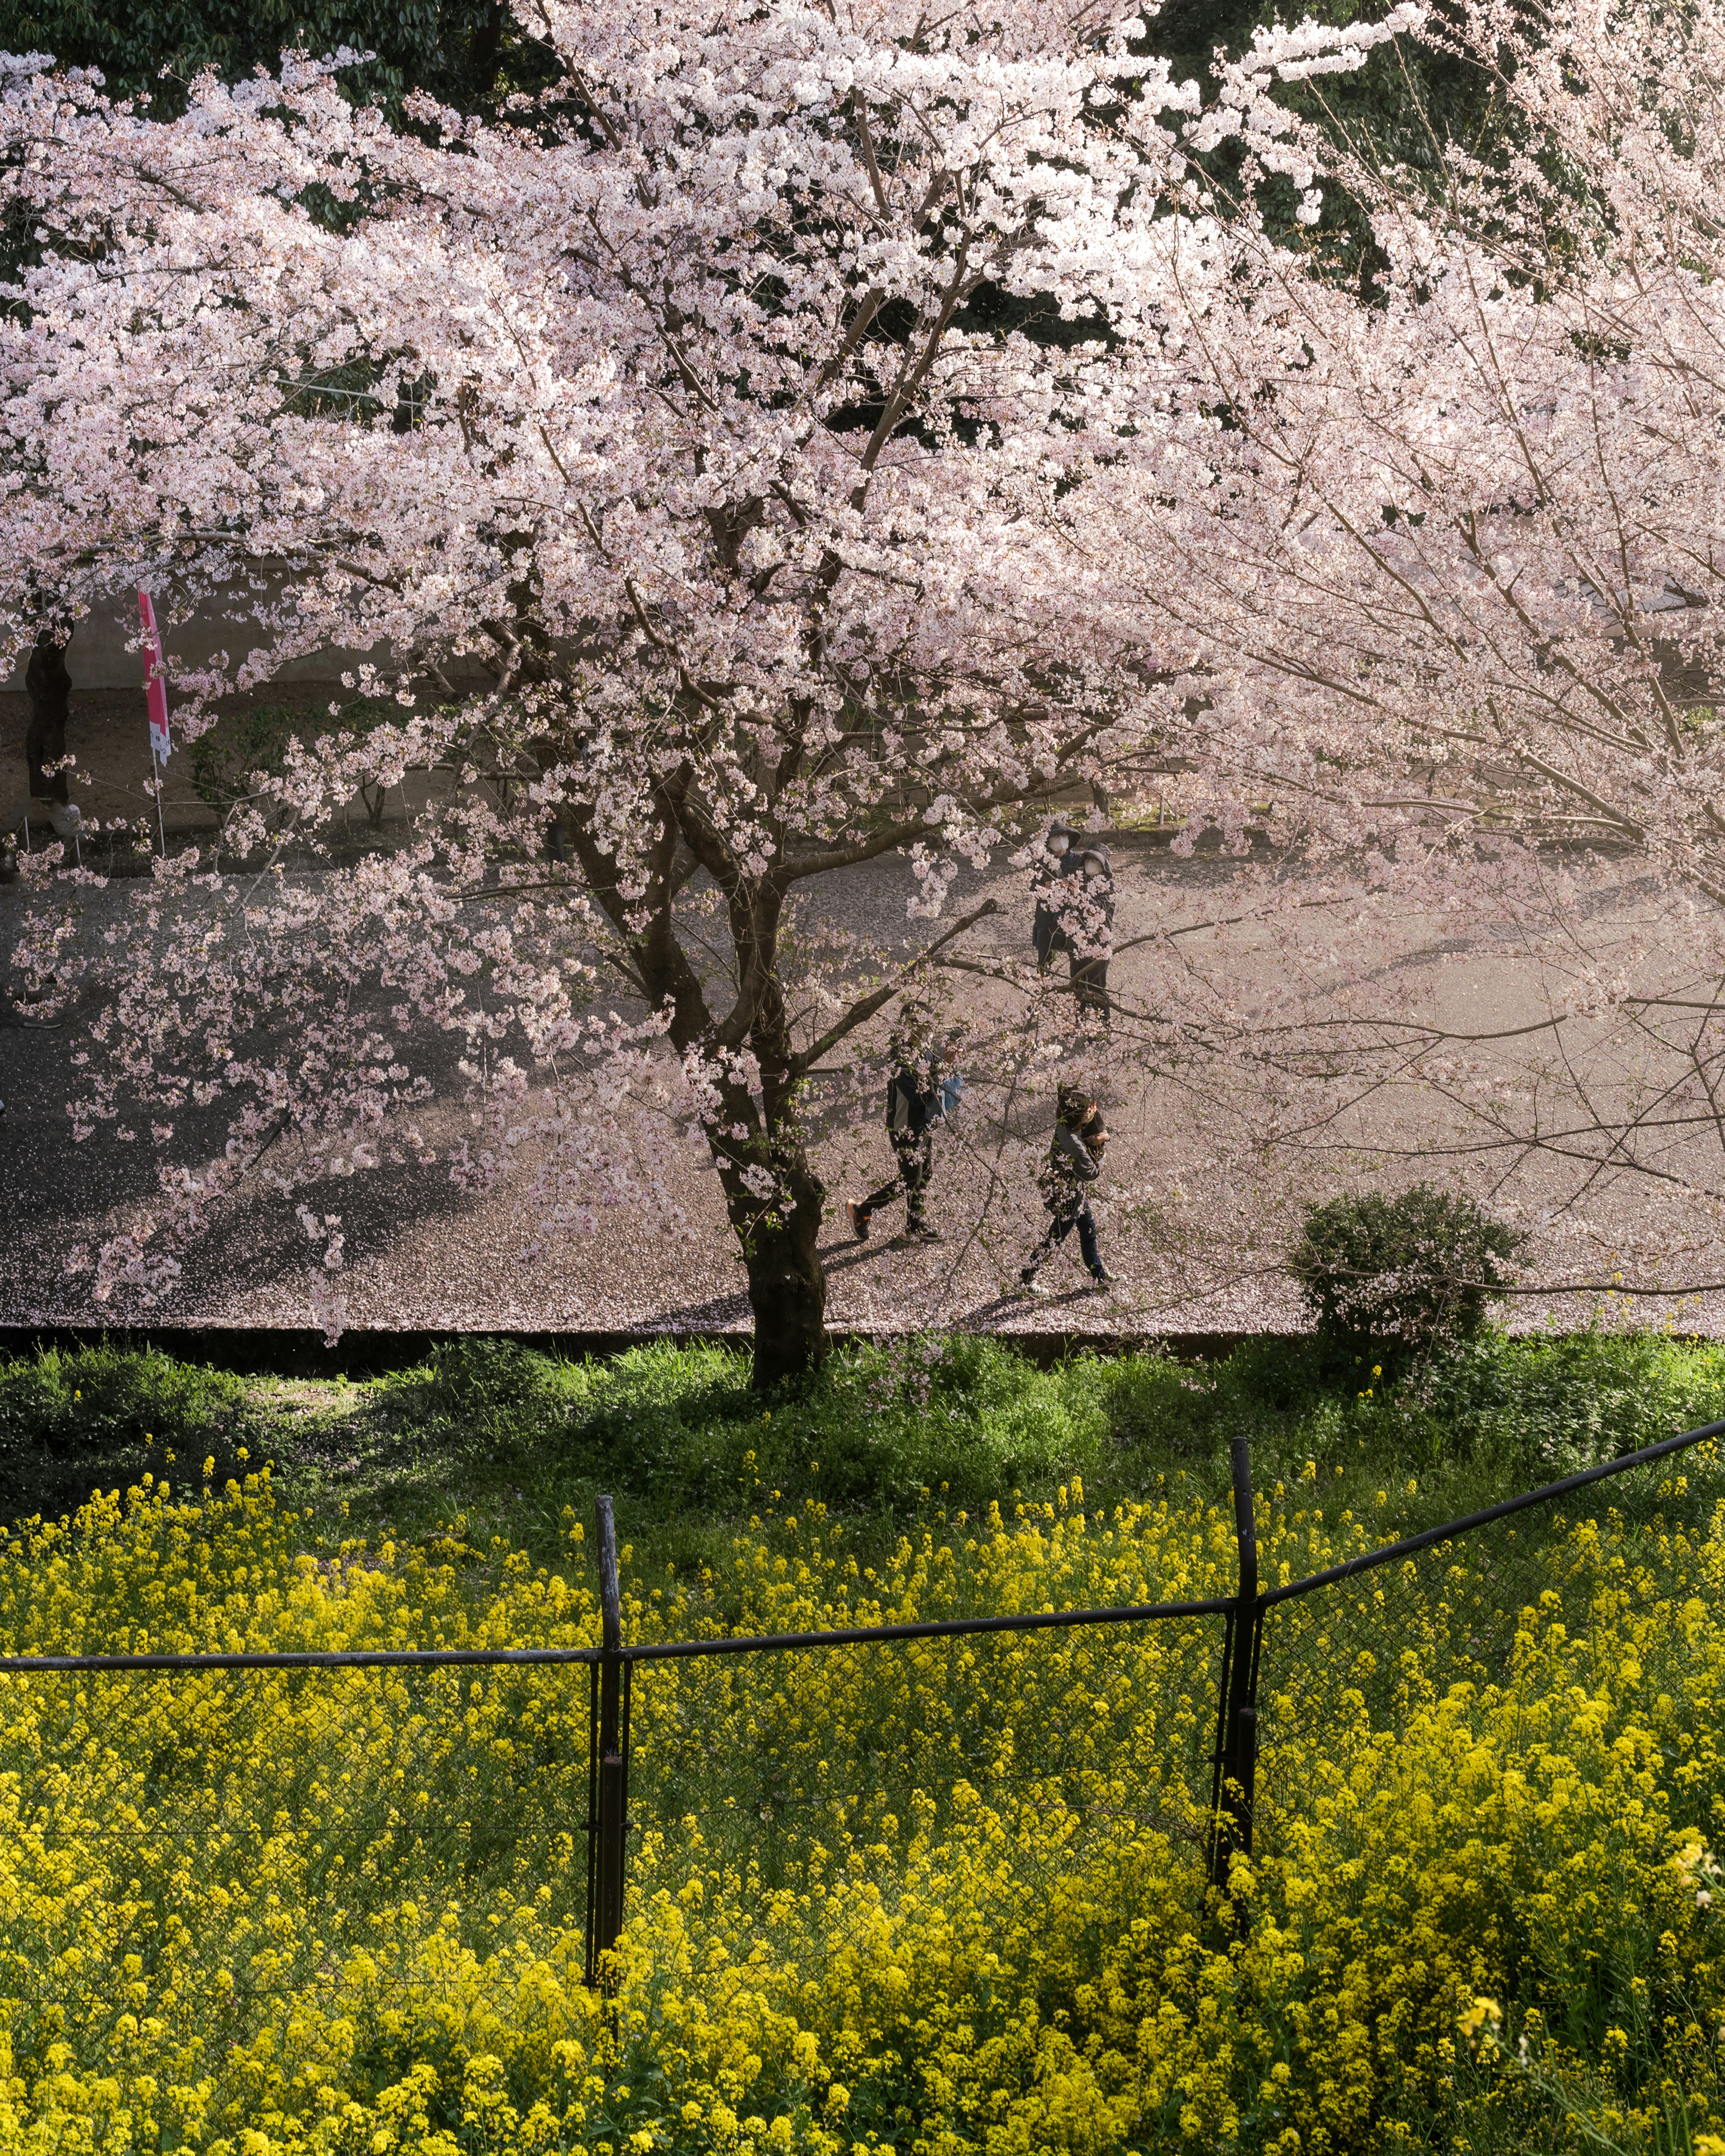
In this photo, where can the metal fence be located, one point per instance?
(1377, 1638)
(464, 1765)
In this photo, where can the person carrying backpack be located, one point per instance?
(1074, 1163)
(920, 1093)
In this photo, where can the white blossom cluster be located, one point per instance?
(821, 433)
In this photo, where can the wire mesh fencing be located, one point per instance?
(353, 1817)
(1450, 1625)
(319, 1813)
(861, 1745)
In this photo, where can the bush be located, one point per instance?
(1544, 1408)
(67, 1417)
(1406, 1274)
(890, 1431)
(1159, 1406)
(882, 1427)
(110, 1401)
(490, 1388)
(243, 745)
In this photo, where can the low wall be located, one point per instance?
(97, 657)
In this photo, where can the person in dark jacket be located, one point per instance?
(1091, 936)
(1048, 933)
(920, 1092)
(1074, 1163)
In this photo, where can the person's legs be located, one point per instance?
(1087, 1243)
(1089, 985)
(915, 1168)
(914, 1157)
(884, 1196)
(49, 688)
(1058, 1228)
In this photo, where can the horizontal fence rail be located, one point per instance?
(1272, 1640)
(657, 1650)
(356, 1658)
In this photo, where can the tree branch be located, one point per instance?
(866, 1006)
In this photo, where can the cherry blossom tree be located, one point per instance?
(694, 457)
(1456, 583)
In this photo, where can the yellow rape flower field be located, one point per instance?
(935, 1897)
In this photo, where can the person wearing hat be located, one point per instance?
(1074, 1163)
(920, 1092)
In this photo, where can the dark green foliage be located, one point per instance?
(106, 1400)
(224, 760)
(469, 52)
(521, 1443)
(883, 1428)
(1401, 109)
(1402, 1276)
(104, 1415)
(508, 1442)
(1547, 1406)
(243, 745)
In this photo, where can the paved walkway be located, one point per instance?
(1194, 1213)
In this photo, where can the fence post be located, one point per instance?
(607, 1771)
(1237, 1765)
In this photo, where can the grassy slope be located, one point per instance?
(511, 1445)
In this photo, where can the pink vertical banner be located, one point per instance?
(155, 681)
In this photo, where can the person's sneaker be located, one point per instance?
(859, 1219)
(66, 818)
(1029, 1284)
(1102, 1275)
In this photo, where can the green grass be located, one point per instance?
(508, 1443)
(504, 1445)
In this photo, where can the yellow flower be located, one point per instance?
(374, 1864)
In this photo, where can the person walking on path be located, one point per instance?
(1048, 930)
(1090, 931)
(919, 1094)
(1074, 913)
(1074, 1163)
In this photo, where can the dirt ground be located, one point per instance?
(1193, 1220)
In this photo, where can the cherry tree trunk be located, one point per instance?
(49, 686)
(788, 1282)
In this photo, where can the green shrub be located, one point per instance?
(677, 1434)
(110, 1401)
(1549, 1407)
(226, 759)
(519, 1442)
(884, 1426)
(490, 1388)
(243, 745)
(1404, 1275)
(1154, 1404)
